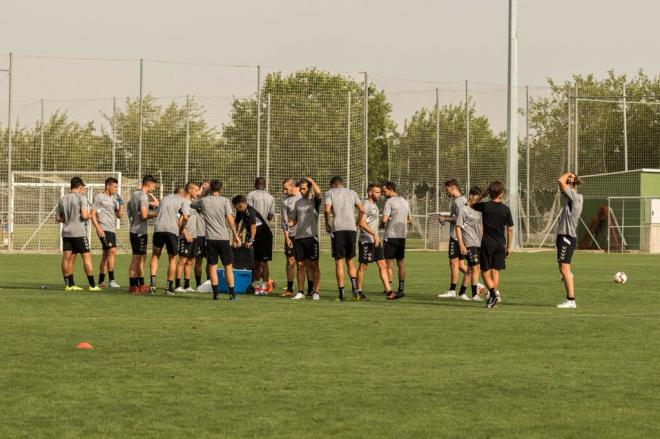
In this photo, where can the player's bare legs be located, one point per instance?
(153, 267)
(301, 272)
(360, 275)
(567, 278)
(384, 277)
(339, 272)
(390, 270)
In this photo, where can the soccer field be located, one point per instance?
(186, 366)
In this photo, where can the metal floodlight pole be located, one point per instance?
(527, 157)
(348, 142)
(467, 135)
(140, 123)
(114, 135)
(625, 128)
(512, 126)
(268, 142)
(366, 131)
(576, 143)
(258, 120)
(437, 150)
(187, 153)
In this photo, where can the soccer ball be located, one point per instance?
(620, 277)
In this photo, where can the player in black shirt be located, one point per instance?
(495, 245)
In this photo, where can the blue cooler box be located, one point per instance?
(242, 281)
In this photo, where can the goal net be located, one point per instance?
(33, 199)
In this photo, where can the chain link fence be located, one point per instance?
(183, 121)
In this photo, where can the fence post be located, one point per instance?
(467, 134)
(527, 157)
(258, 120)
(437, 151)
(140, 123)
(268, 143)
(41, 164)
(366, 131)
(114, 135)
(426, 221)
(625, 128)
(10, 204)
(187, 153)
(348, 143)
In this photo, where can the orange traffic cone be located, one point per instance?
(84, 345)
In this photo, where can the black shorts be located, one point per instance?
(370, 253)
(455, 249)
(219, 250)
(200, 247)
(168, 240)
(473, 256)
(263, 248)
(343, 244)
(108, 241)
(138, 244)
(492, 257)
(565, 247)
(290, 252)
(75, 245)
(306, 249)
(187, 249)
(395, 248)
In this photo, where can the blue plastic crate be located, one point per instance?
(242, 281)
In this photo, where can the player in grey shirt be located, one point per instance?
(140, 208)
(567, 232)
(456, 258)
(187, 240)
(172, 217)
(201, 239)
(370, 247)
(469, 232)
(264, 203)
(108, 207)
(217, 212)
(305, 218)
(396, 216)
(341, 202)
(291, 193)
(73, 213)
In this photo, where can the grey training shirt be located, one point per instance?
(139, 200)
(263, 202)
(371, 217)
(469, 220)
(169, 209)
(457, 204)
(105, 207)
(215, 210)
(69, 207)
(343, 202)
(570, 216)
(191, 225)
(398, 210)
(306, 212)
(288, 206)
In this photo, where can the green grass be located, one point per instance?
(269, 367)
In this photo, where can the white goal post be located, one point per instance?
(33, 199)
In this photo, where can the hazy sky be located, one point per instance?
(438, 40)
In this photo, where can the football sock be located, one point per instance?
(186, 283)
(232, 295)
(474, 290)
(354, 284)
(101, 277)
(452, 287)
(214, 288)
(90, 279)
(463, 288)
(570, 298)
(492, 291)
(289, 285)
(401, 283)
(71, 281)
(341, 291)
(111, 275)
(310, 286)
(177, 282)
(198, 279)
(66, 281)
(152, 281)
(140, 280)
(133, 281)
(170, 285)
